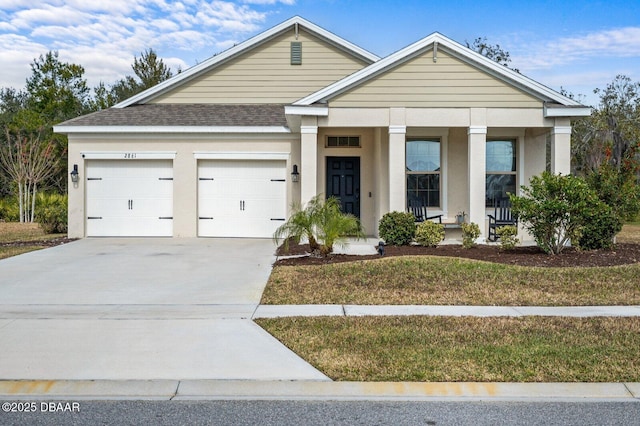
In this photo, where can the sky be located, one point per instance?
(575, 45)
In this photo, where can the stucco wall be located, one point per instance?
(185, 209)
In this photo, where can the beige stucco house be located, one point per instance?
(223, 149)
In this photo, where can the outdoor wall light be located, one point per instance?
(295, 175)
(74, 174)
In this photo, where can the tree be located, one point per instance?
(491, 51)
(149, 70)
(29, 160)
(611, 134)
(57, 90)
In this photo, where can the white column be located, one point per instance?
(308, 163)
(561, 150)
(397, 167)
(477, 145)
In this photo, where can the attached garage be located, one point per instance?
(241, 197)
(129, 198)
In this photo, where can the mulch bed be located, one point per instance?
(39, 243)
(622, 254)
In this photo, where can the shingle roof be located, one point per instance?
(185, 115)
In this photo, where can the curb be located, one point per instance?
(311, 390)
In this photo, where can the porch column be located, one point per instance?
(308, 163)
(561, 150)
(477, 163)
(397, 167)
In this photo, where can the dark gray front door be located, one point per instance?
(343, 181)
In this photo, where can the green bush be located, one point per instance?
(508, 236)
(600, 228)
(555, 209)
(429, 233)
(470, 233)
(51, 212)
(9, 209)
(397, 228)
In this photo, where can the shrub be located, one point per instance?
(397, 228)
(555, 209)
(9, 209)
(600, 228)
(470, 233)
(508, 236)
(429, 233)
(51, 212)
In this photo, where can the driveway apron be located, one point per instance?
(120, 309)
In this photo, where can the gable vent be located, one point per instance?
(296, 53)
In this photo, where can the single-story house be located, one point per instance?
(225, 148)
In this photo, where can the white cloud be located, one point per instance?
(619, 42)
(104, 36)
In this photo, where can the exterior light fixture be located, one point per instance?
(74, 174)
(295, 175)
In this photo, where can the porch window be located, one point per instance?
(501, 170)
(423, 170)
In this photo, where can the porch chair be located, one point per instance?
(501, 217)
(418, 208)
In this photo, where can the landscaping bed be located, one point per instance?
(622, 254)
(19, 238)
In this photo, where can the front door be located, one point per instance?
(343, 181)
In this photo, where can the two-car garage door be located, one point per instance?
(236, 198)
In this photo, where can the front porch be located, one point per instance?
(456, 160)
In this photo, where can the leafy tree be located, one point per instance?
(149, 70)
(491, 51)
(301, 224)
(611, 135)
(56, 90)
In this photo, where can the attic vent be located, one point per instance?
(296, 53)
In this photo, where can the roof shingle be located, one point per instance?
(185, 115)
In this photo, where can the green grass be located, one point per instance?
(430, 280)
(529, 349)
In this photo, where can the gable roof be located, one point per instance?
(434, 42)
(240, 48)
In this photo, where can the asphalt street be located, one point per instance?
(325, 413)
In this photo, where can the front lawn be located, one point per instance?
(436, 280)
(468, 349)
(18, 238)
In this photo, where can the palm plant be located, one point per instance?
(301, 223)
(334, 226)
(322, 223)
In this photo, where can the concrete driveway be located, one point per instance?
(121, 309)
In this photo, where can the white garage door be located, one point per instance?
(132, 198)
(241, 198)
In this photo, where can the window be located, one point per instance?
(423, 171)
(501, 170)
(343, 141)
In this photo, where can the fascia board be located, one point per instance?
(255, 41)
(550, 111)
(170, 129)
(318, 111)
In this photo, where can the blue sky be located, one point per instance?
(577, 45)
